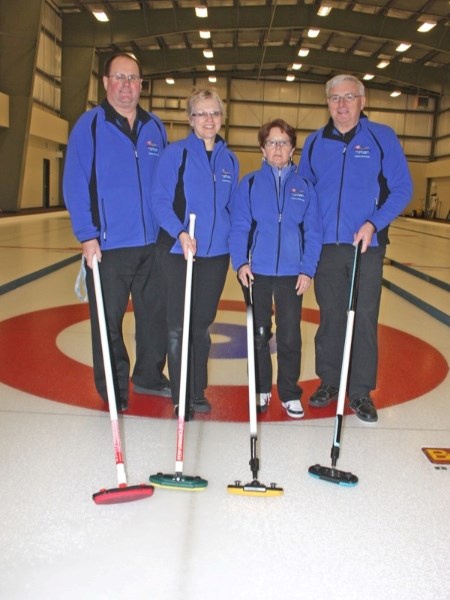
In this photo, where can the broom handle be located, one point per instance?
(108, 374)
(185, 353)
(251, 362)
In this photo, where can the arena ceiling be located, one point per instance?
(261, 39)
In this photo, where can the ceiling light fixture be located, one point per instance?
(290, 77)
(101, 16)
(368, 76)
(383, 64)
(426, 26)
(201, 11)
(303, 52)
(208, 53)
(170, 80)
(212, 79)
(205, 35)
(395, 93)
(324, 9)
(403, 47)
(297, 66)
(210, 67)
(313, 32)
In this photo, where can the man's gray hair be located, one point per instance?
(338, 79)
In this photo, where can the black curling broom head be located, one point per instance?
(255, 488)
(123, 494)
(333, 475)
(178, 481)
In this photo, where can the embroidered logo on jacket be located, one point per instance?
(362, 151)
(225, 176)
(152, 148)
(298, 194)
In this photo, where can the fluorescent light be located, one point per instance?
(368, 76)
(383, 64)
(210, 67)
(303, 52)
(426, 26)
(395, 93)
(313, 32)
(170, 80)
(212, 79)
(205, 35)
(403, 47)
(208, 53)
(201, 11)
(297, 66)
(324, 10)
(290, 77)
(100, 16)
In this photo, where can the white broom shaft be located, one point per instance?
(251, 370)
(185, 350)
(108, 372)
(345, 362)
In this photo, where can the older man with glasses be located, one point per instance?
(112, 152)
(363, 183)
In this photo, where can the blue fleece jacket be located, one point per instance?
(275, 220)
(186, 181)
(108, 175)
(360, 176)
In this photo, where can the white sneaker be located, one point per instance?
(262, 402)
(294, 409)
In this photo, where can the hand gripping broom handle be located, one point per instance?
(346, 354)
(108, 374)
(185, 353)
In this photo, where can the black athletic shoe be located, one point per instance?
(364, 409)
(188, 415)
(201, 405)
(160, 389)
(323, 395)
(122, 404)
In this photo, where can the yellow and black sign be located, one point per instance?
(438, 456)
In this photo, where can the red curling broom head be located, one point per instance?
(123, 494)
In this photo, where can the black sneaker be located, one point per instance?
(364, 409)
(201, 405)
(323, 395)
(122, 404)
(160, 389)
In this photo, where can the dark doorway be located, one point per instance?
(46, 183)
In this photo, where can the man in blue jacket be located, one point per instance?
(112, 152)
(363, 183)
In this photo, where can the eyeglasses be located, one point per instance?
(214, 114)
(347, 98)
(277, 143)
(121, 78)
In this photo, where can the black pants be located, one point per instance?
(124, 271)
(332, 289)
(208, 281)
(288, 307)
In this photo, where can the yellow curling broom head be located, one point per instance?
(255, 488)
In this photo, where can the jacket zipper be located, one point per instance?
(212, 167)
(136, 155)
(280, 213)
(344, 152)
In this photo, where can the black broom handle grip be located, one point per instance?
(355, 278)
